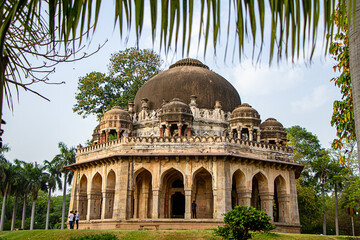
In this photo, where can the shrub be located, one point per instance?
(104, 236)
(241, 220)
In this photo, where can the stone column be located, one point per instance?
(251, 134)
(102, 137)
(258, 135)
(161, 131)
(180, 129)
(283, 200)
(121, 190)
(136, 203)
(106, 136)
(88, 214)
(189, 131)
(222, 190)
(244, 197)
(103, 205)
(187, 203)
(168, 133)
(267, 203)
(155, 208)
(118, 133)
(293, 204)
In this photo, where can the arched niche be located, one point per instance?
(96, 197)
(202, 193)
(109, 194)
(82, 197)
(238, 189)
(259, 188)
(172, 195)
(142, 194)
(281, 199)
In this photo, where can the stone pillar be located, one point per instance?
(102, 137)
(88, 214)
(103, 205)
(118, 133)
(136, 203)
(293, 204)
(187, 203)
(244, 198)
(161, 131)
(155, 208)
(74, 199)
(121, 190)
(180, 129)
(106, 136)
(258, 135)
(189, 131)
(267, 203)
(283, 200)
(251, 134)
(168, 133)
(222, 190)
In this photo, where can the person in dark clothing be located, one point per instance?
(193, 208)
(77, 218)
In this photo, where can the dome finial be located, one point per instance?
(189, 62)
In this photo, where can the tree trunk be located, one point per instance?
(14, 214)
(336, 211)
(352, 225)
(4, 60)
(63, 205)
(3, 209)
(48, 211)
(23, 214)
(324, 212)
(354, 50)
(32, 215)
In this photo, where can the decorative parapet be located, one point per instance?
(187, 140)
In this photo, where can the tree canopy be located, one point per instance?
(128, 71)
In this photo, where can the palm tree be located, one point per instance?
(64, 158)
(6, 175)
(53, 182)
(36, 181)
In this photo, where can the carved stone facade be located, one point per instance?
(148, 163)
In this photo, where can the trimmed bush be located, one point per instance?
(241, 220)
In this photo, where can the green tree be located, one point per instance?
(241, 220)
(6, 177)
(53, 182)
(128, 71)
(64, 158)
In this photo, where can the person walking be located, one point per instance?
(77, 218)
(71, 219)
(193, 208)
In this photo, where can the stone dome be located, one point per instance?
(245, 112)
(115, 118)
(273, 130)
(176, 110)
(185, 78)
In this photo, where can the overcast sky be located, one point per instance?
(294, 94)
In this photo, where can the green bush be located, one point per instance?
(241, 220)
(104, 236)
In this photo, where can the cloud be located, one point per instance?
(314, 100)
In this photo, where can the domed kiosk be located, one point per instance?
(186, 137)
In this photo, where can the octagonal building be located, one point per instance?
(186, 137)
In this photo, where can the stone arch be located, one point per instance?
(96, 196)
(259, 188)
(240, 195)
(109, 194)
(281, 200)
(172, 194)
(82, 197)
(202, 193)
(142, 199)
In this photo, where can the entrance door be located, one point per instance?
(178, 205)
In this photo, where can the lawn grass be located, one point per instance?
(146, 234)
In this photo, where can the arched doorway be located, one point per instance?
(109, 194)
(202, 194)
(280, 207)
(172, 196)
(83, 199)
(238, 191)
(259, 188)
(143, 195)
(96, 198)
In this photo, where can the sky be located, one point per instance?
(295, 94)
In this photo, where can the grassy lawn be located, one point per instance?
(145, 234)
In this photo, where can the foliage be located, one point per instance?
(128, 71)
(240, 220)
(343, 114)
(103, 236)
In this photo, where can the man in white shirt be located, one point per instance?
(71, 220)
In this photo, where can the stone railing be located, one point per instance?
(184, 139)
